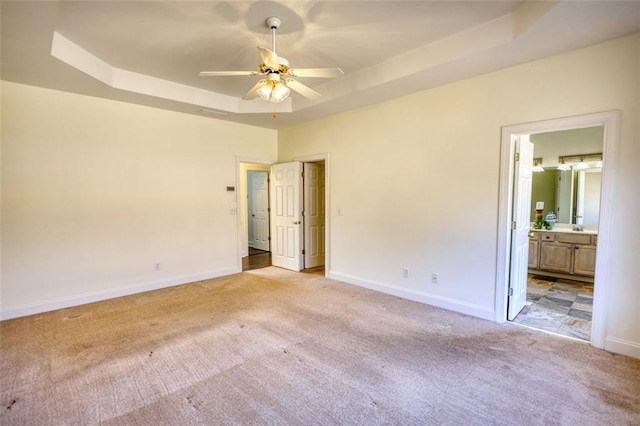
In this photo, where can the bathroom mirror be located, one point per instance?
(574, 195)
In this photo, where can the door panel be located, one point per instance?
(260, 210)
(286, 187)
(314, 215)
(520, 233)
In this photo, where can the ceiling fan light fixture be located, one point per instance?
(279, 93)
(274, 91)
(265, 91)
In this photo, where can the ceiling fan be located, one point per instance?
(278, 75)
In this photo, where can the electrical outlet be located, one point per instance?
(405, 272)
(435, 278)
(156, 266)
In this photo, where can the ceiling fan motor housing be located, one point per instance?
(273, 22)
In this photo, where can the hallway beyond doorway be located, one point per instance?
(257, 259)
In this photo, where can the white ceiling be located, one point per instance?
(150, 53)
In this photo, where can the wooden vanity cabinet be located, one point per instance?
(563, 253)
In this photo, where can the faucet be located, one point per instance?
(578, 227)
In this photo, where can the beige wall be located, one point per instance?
(416, 178)
(94, 192)
(549, 146)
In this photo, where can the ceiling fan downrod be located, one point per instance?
(273, 22)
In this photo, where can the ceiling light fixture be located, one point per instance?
(562, 166)
(537, 165)
(581, 165)
(273, 90)
(579, 161)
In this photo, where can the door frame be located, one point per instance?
(237, 203)
(611, 121)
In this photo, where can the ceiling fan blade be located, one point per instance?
(316, 72)
(251, 94)
(269, 58)
(225, 73)
(302, 89)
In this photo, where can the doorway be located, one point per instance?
(307, 242)
(253, 215)
(507, 211)
(565, 195)
(298, 214)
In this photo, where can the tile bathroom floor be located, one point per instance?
(558, 305)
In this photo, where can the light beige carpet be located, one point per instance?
(276, 347)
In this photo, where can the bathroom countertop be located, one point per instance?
(568, 230)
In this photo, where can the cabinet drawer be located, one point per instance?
(574, 238)
(547, 236)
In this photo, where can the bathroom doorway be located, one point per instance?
(565, 198)
(602, 279)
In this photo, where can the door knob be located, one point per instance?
(297, 222)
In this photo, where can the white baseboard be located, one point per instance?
(97, 296)
(623, 347)
(417, 296)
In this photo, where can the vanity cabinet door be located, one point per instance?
(556, 256)
(534, 244)
(584, 262)
(533, 254)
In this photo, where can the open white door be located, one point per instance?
(521, 226)
(260, 210)
(286, 215)
(314, 215)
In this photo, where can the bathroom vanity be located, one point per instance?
(563, 253)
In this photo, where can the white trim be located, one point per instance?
(86, 62)
(610, 120)
(417, 296)
(98, 296)
(623, 347)
(551, 333)
(324, 156)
